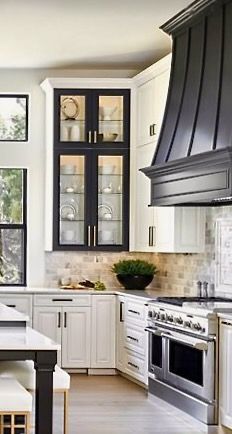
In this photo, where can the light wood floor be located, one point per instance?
(114, 405)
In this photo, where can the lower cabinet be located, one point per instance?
(132, 340)
(83, 325)
(103, 331)
(69, 326)
(225, 373)
(120, 353)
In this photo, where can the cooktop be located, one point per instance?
(178, 301)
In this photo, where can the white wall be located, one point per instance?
(31, 155)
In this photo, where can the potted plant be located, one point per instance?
(134, 273)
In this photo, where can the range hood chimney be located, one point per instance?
(193, 160)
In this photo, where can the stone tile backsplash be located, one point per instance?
(178, 273)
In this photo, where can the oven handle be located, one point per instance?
(156, 332)
(198, 345)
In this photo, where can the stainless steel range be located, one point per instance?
(183, 349)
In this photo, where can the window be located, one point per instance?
(13, 226)
(13, 118)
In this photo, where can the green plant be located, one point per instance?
(99, 286)
(134, 267)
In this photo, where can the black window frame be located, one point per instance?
(18, 95)
(22, 226)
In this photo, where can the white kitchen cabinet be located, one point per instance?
(120, 312)
(225, 373)
(132, 340)
(151, 100)
(103, 331)
(47, 320)
(68, 325)
(164, 229)
(76, 337)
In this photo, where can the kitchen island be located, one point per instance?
(20, 342)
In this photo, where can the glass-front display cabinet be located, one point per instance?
(91, 169)
(91, 206)
(96, 117)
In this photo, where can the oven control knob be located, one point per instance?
(197, 326)
(170, 318)
(187, 324)
(162, 316)
(158, 315)
(179, 320)
(150, 314)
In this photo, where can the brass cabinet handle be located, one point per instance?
(89, 136)
(150, 130)
(89, 236)
(95, 136)
(94, 236)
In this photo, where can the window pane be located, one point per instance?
(11, 256)
(13, 117)
(11, 196)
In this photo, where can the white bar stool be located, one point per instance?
(15, 407)
(24, 372)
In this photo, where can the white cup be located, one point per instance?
(68, 235)
(75, 133)
(64, 133)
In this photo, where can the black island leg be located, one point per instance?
(45, 362)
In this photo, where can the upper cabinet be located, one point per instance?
(157, 229)
(87, 176)
(151, 104)
(93, 117)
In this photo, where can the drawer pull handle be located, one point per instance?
(59, 320)
(11, 305)
(132, 338)
(134, 311)
(121, 319)
(65, 320)
(133, 365)
(62, 299)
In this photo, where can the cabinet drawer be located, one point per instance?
(135, 366)
(62, 300)
(135, 339)
(135, 311)
(22, 303)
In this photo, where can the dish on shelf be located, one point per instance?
(69, 108)
(105, 212)
(107, 169)
(69, 210)
(107, 137)
(106, 112)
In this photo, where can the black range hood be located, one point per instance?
(193, 159)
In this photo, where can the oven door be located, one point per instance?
(156, 353)
(190, 364)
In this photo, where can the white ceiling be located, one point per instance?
(84, 33)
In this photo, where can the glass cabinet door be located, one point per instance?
(72, 200)
(110, 200)
(110, 118)
(72, 118)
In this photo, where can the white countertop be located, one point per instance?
(25, 339)
(146, 294)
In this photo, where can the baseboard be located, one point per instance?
(102, 371)
(76, 371)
